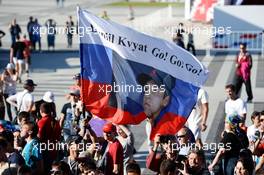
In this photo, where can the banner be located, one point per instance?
(128, 76)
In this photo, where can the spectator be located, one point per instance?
(24, 170)
(49, 133)
(24, 101)
(133, 169)
(190, 44)
(15, 31)
(9, 78)
(185, 141)
(167, 167)
(245, 156)
(77, 83)
(105, 15)
(196, 163)
(23, 117)
(257, 145)
(251, 130)
(31, 151)
(60, 167)
(17, 56)
(36, 35)
(234, 104)
(48, 98)
(170, 151)
(70, 115)
(114, 156)
(30, 30)
(72, 159)
(51, 28)
(2, 34)
(242, 168)
(69, 30)
(27, 54)
(126, 138)
(5, 167)
(131, 14)
(198, 117)
(14, 157)
(88, 167)
(243, 71)
(178, 39)
(232, 146)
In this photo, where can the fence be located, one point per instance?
(230, 42)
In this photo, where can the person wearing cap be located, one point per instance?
(231, 145)
(114, 150)
(48, 98)
(70, 115)
(76, 86)
(9, 78)
(24, 101)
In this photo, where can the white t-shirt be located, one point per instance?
(251, 130)
(9, 85)
(195, 116)
(237, 106)
(23, 99)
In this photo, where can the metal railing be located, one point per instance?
(230, 42)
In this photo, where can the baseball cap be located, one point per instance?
(29, 82)
(48, 97)
(234, 119)
(109, 127)
(75, 92)
(77, 76)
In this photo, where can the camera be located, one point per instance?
(257, 134)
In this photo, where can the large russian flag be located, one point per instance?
(121, 67)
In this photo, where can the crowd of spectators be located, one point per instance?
(34, 139)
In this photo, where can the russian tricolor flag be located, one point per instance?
(128, 76)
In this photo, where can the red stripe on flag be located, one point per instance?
(97, 102)
(169, 124)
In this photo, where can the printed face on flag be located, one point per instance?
(128, 76)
